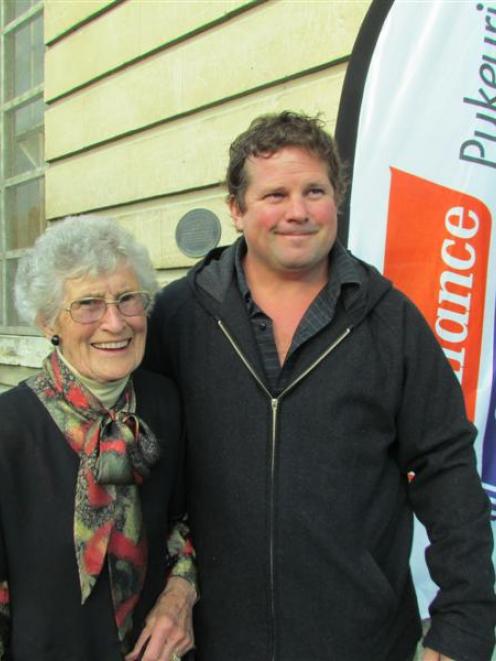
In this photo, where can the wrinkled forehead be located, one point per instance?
(286, 163)
(114, 282)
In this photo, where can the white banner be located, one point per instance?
(423, 195)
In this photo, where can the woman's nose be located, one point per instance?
(113, 319)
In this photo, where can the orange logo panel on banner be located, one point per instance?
(437, 247)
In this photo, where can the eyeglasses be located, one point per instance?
(93, 308)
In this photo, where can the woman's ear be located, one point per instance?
(48, 329)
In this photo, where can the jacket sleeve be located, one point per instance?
(160, 337)
(436, 443)
(181, 553)
(4, 603)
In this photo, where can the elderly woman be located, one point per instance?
(89, 455)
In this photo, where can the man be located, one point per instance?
(313, 392)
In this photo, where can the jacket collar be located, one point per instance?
(361, 284)
(215, 287)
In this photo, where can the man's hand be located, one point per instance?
(431, 655)
(169, 628)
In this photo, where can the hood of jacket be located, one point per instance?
(212, 278)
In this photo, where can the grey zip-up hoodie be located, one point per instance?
(300, 506)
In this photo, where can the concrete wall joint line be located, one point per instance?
(206, 106)
(158, 49)
(88, 19)
(149, 198)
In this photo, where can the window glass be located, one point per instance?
(24, 137)
(24, 213)
(24, 57)
(14, 8)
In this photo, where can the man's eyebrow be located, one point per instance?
(272, 188)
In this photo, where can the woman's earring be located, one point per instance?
(55, 340)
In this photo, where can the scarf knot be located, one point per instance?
(127, 449)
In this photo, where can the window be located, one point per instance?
(22, 208)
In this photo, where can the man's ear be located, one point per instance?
(236, 213)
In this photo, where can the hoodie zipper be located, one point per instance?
(275, 401)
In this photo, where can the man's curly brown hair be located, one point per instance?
(268, 134)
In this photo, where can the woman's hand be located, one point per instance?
(169, 627)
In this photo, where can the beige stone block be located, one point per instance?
(166, 277)
(23, 350)
(285, 39)
(131, 30)
(11, 376)
(154, 224)
(186, 154)
(61, 16)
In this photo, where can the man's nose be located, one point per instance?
(297, 209)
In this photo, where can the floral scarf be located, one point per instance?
(116, 451)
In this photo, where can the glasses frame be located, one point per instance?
(114, 301)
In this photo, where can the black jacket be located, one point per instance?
(300, 506)
(38, 473)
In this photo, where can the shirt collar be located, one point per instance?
(342, 271)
